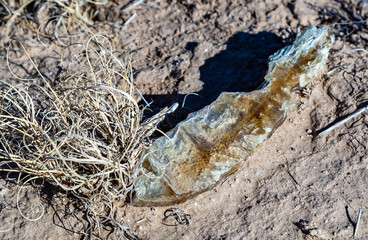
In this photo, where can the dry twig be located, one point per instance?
(342, 121)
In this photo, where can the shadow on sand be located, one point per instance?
(240, 67)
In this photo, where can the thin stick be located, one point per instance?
(357, 222)
(346, 119)
(196, 94)
(130, 19)
(144, 100)
(133, 5)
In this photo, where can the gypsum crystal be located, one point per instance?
(212, 143)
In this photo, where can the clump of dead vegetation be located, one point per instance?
(84, 133)
(34, 12)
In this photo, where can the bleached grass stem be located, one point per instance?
(341, 122)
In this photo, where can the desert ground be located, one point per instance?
(296, 185)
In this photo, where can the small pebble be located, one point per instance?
(255, 173)
(324, 172)
(293, 149)
(309, 132)
(303, 106)
(315, 232)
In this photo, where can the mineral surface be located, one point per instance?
(211, 143)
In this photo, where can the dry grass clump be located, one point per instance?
(84, 134)
(35, 10)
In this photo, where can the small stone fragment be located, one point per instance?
(212, 143)
(313, 231)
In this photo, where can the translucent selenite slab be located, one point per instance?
(212, 143)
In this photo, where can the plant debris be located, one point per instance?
(84, 135)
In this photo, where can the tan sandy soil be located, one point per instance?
(207, 47)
